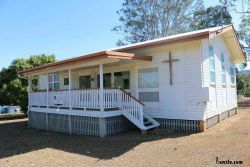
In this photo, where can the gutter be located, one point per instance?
(23, 77)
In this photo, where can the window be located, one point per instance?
(66, 81)
(211, 64)
(106, 80)
(223, 71)
(232, 74)
(54, 82)
(149, 96)
(85, 82)
(122, 79)
(148, 84)
(148, 78)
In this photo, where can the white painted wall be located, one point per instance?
(191, 96)
(184, 99)
(221, 97)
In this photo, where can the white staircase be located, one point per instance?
(132, 109)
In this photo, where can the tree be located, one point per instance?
(143, 20)
(231, 5)
(243, 83)
(210, 17)
(13, 90)
(244, 32)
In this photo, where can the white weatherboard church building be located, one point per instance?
(184, 82)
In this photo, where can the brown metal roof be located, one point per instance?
(90, 57)
(120, 52)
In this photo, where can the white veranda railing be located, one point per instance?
(89, 98)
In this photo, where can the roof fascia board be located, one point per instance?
(222, 31)
(187, 38)
(71, 66)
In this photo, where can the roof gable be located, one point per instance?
(189, 36)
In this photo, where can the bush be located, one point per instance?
(13, 90)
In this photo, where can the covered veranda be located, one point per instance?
(98, 97)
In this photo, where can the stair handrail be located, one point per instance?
(131, 110)
(132, 97)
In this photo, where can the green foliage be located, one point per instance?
(244, 32)
(244, 29)
(210, 17)
(238, 6)
(143, 20)
(13, 90)
(243, 82)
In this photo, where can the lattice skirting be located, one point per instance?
(117, 124)
(179, 124)
(37, 120)
(193, 125)
(85, 125)
(220, 117)
(91, 126)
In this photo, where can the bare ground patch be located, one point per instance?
(23, 146)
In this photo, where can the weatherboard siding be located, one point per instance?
(191, 96)
(184, 99)
(222, 97)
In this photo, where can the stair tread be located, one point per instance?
(148, 123)
(151, 126)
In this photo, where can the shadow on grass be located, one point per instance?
(17, 138)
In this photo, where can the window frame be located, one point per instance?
(152, 99)
(232, 74)
(64, 81)
(138, 82)
(212, 70)
(53, 81)
(223, 70)
(152, 104)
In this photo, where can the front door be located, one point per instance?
(85, 82)
(122, 79)
(106, 80)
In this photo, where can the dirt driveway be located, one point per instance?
(22, 146)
